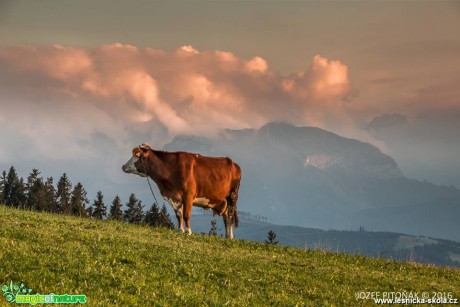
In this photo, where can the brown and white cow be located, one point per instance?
(187, 179)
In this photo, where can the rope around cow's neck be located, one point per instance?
(148, 181)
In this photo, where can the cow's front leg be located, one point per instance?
(177, 206)
(180, 219)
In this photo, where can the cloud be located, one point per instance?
(54, 61)
(324, 80)
(186, 90)
(81, 110)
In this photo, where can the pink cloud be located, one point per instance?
(56, 61)
(186, 90)
(324, 80)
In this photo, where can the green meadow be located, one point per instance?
(120, 264)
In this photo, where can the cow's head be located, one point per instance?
(135, 165)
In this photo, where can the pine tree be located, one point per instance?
(33, 176)
(100, 210)
(156, 217)
(134, 212)
(14, 189)
(50, 195)
(40, 191)
(271, 238)
(152, 218)
(115, 209)
(165, 218)
(213, 231)
(35, 191)
(20, 193)
(10, 181)
(78, 200)
(63, 195)
(2, 187)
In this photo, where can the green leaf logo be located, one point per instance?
(10, 292)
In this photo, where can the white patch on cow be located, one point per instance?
(201, 202)
(230, 232)
(176, 205)
(229, 228)
(189, 231)
(130, 168)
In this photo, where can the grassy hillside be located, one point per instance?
(120, 264)
(388, 245)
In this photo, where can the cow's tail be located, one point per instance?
(233, 196)
(233, 200)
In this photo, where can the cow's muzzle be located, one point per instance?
(130, 167)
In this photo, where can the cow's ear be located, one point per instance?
(141, 150)
(138, 152)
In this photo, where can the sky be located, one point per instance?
(83, 82)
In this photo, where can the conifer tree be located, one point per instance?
(40, 192)
(100, 210)
(35, 191)
(14, 190)
(20, 193)
(50, 195)
(152, 218)
(115, 209)
(271, 237)
(79, 200)
(165, 218)
(33, 176)
(134, 212)
(156, 217)
(2, 187)
(213, 230)
(10, 180)
(63, 195)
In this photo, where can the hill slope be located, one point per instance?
(389, 245)
(126, 265)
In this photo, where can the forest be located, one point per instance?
(38, 194)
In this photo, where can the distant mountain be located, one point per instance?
(389, 245)
(310, 177)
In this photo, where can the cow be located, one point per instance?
(189, 179)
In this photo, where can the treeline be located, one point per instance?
(251, 216)
(39, 194)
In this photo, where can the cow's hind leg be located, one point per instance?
(187, 213)
(228, 225)
(230, 215)
(180, 219)
(232, 199)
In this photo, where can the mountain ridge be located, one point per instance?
(309, 177)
